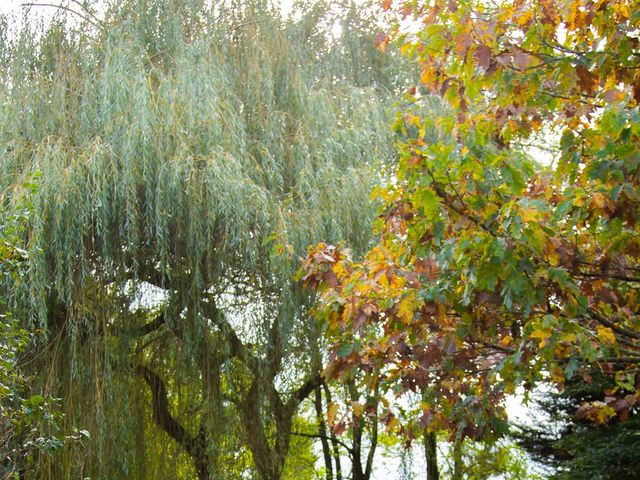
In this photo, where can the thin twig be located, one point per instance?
(63, 7)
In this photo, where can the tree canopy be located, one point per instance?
(508, 251)
(165, 166)
(188, 152)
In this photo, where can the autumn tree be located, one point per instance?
(189, 152)
(509, 245)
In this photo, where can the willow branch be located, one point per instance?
(65, 8)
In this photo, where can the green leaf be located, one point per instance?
(36, 400)
(344, 350)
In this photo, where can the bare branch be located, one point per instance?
(65, 8)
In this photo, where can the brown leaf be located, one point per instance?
(427, 266)
(517, 58)
(414, 161)
(549, 12)
(613, 95)
(522, 59)
(636, 90)
(445, 86)
(339, 428)
(330, 279)
(587, 81)
(483, 56)
(360, 317)
(432, 16)
(463, 102)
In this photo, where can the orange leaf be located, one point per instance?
(381, 41)
(332, 411)
(463, 42)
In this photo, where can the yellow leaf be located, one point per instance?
(598, 199)
(543, 335)
(347, 312)
(606, 335)
(557, 374)
(406, 307)
(358, 408)
(524, 18)
(506, 341)
(427, 75)
(332, 411)
(528, 214)
(412, 119)
(598, 412)
(339, 270)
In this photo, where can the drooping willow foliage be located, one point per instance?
(188, 153)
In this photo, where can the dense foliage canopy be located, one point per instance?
(165, 164)
(187, 152)
(509, 251)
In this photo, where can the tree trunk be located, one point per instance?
(322, 430)
(431, 455)
(458, 464)
(202, 467)
(334, 440)
(360, 472)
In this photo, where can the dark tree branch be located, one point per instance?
(237, 348)
(148, 327)
(162, 417)
(334, 439)
(304, 391)
(322, 432)
(609, 275)
(374, 435)
(317, 435)
(630, 359)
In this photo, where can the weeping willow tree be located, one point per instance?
(188, 153)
